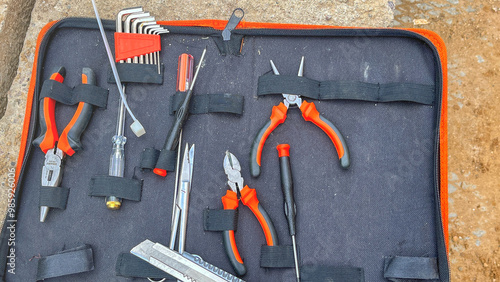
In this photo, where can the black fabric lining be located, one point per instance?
(346, 90)
(105, 185)
(209, 103)
(87, 93)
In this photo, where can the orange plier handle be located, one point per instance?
(69, 141)
(249, 198)
(309, 113)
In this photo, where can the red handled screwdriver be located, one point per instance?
(287, 189)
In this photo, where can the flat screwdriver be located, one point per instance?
(287, 189)
(180, 116)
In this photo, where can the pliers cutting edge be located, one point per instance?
(57, 147)
(309, 113)
(248, 197)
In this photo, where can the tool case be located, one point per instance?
(384, 218)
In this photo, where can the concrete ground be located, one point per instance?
(469, 28)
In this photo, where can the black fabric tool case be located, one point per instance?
(391, 202)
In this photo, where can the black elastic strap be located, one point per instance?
(87, 93)
(138, 73)
(403, 268)
(128, 265)
(320, 273)
(167, 160)
(220, 220)
(54, 197)
(346, 90)
(149, 157)
(209, 103)
(277, 256)
(67, 262)
(125, 188)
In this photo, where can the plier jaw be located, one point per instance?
(52, 167)
(232, 169)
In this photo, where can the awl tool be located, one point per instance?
(309, 113)
(249, 198)
(185, 266)
(57, 147)
(288, 198)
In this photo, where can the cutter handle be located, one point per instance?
(278, 116)
(69, 141)
(310, 113)
(49, 136)
(230, 202)
(249, 199)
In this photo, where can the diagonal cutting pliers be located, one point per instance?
(57, 147)
(309, 113)
(248, 197)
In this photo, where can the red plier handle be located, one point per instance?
(69, 141)
(249, 199)
(309, 113)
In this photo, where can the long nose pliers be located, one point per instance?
(248, 197)
(309, 113)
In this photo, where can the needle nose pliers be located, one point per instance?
(309, 113)
(248, 197)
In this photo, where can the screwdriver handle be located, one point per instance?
(69, 141)
(230, 202)
(49, 136)
(287, 186)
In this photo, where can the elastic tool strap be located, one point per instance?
(220, 220)
(54, 197)
(87, 93)
(125, 188)
(164, 159)
(148, 158)
(403, 268)
(346, 90)
(209, 103)
(314, 273)
(276, 256)
(67, 262)
(128, 265)
(137, 73)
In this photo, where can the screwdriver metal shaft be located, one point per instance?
(287, 189)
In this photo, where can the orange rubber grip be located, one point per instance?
(48, 119)
(310, 113)
(249, 199)
(278, 116)
(230, 202)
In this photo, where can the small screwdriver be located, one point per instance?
(287, 189)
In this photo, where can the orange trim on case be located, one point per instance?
(278, 116)
(443, 128)
(310, 113)
(234, 248)
(249, 199)
(29, 103)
